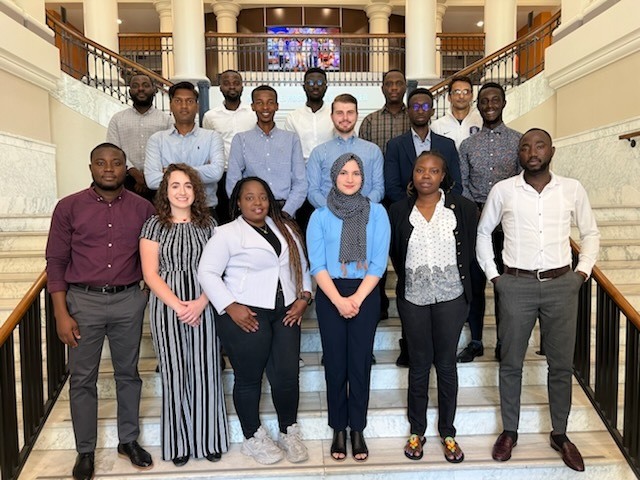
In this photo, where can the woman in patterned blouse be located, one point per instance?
(432, 246)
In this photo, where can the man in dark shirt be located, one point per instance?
(489, 156)
(94, 274)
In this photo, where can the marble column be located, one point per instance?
(101, 26)
(420, 30)
(188, 41)
(441, 8)
(226, 12)
(378, 12)
(500, 20)
(163, 7)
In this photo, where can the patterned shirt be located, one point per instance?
(130, 130)
(275, 157)
(486, 158)
(432, 274)
(381, 126)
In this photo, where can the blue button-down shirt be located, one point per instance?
(275, 157)
(322, 158)
(418, 144)
(202, 149)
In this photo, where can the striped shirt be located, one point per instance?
(381, 126)
(486, 158)
(276, 158)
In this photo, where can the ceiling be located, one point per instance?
(140, 17)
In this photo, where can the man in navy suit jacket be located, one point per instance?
(403, 150)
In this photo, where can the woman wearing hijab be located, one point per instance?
(348, 245)
(432, 247)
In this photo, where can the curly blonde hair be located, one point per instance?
(200, 215)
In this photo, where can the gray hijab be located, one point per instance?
(353, 210)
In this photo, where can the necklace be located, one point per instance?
(264, 230)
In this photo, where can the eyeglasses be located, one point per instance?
(424, 106)
(313, 83)
(463, 92)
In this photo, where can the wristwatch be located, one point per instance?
(306, 296)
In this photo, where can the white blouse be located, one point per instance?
(432, 274)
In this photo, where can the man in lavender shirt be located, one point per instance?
(93, 275)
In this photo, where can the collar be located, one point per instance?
(260, 132)
(414, 136)
(194, 131)
(348, 141)
(403, 111)
(148, 112)
(320, 110)
(522, 183)
(500, 129)
(99, 198)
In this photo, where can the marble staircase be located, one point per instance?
(478, 417)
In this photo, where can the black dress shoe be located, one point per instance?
(498, 351)
(181, 461)
(139, 457)
(83, 469)
(471, 351)
(214, 457)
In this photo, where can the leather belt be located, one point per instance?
(105, 288)
(539, 275)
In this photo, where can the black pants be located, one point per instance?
(432, 333)
(222, 209)
(347, 345)
(274, 348)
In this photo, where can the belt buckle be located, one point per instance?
(538, 272)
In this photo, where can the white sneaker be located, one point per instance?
(262, 448)
(291, 444)
(300, 362)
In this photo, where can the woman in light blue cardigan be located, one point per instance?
(348, 245)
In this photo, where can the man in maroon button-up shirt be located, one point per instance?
(94, 274)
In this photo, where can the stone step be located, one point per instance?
(477, 414)
(619, 249)
(14, 285)
(621, 271)
(384, 375)
(23, 241)
(532, 459)
(24, 223)
(614, 229)
(606, 213)
(22, 261)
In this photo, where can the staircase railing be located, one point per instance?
(97, 66)
(33, 312)
(609, 357)
(509, 66)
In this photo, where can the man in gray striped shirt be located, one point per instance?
(130, 130)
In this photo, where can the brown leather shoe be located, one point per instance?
(502, 448)
(570, 454)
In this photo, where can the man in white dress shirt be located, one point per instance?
(228, 119)
(536, 209)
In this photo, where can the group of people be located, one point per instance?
(247, 213)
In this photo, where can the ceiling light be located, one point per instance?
(480, 24)
(119, 22)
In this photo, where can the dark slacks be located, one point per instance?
(479, 285)
(347, 345)
(555, 303)
(274, 348)
(432, 333)
(117, 316)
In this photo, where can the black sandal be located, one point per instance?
(339, 445)
(414, 445)
(359, 446)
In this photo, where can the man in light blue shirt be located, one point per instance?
(344, 114)
(185, 142)
(268, 152)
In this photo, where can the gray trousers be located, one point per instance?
(555, 303)
(119, 317)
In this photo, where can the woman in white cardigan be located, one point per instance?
(255, 273)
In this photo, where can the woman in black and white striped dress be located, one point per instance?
(194, 420)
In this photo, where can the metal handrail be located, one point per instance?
(27, 319)
(504, 66)
(98, 66)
